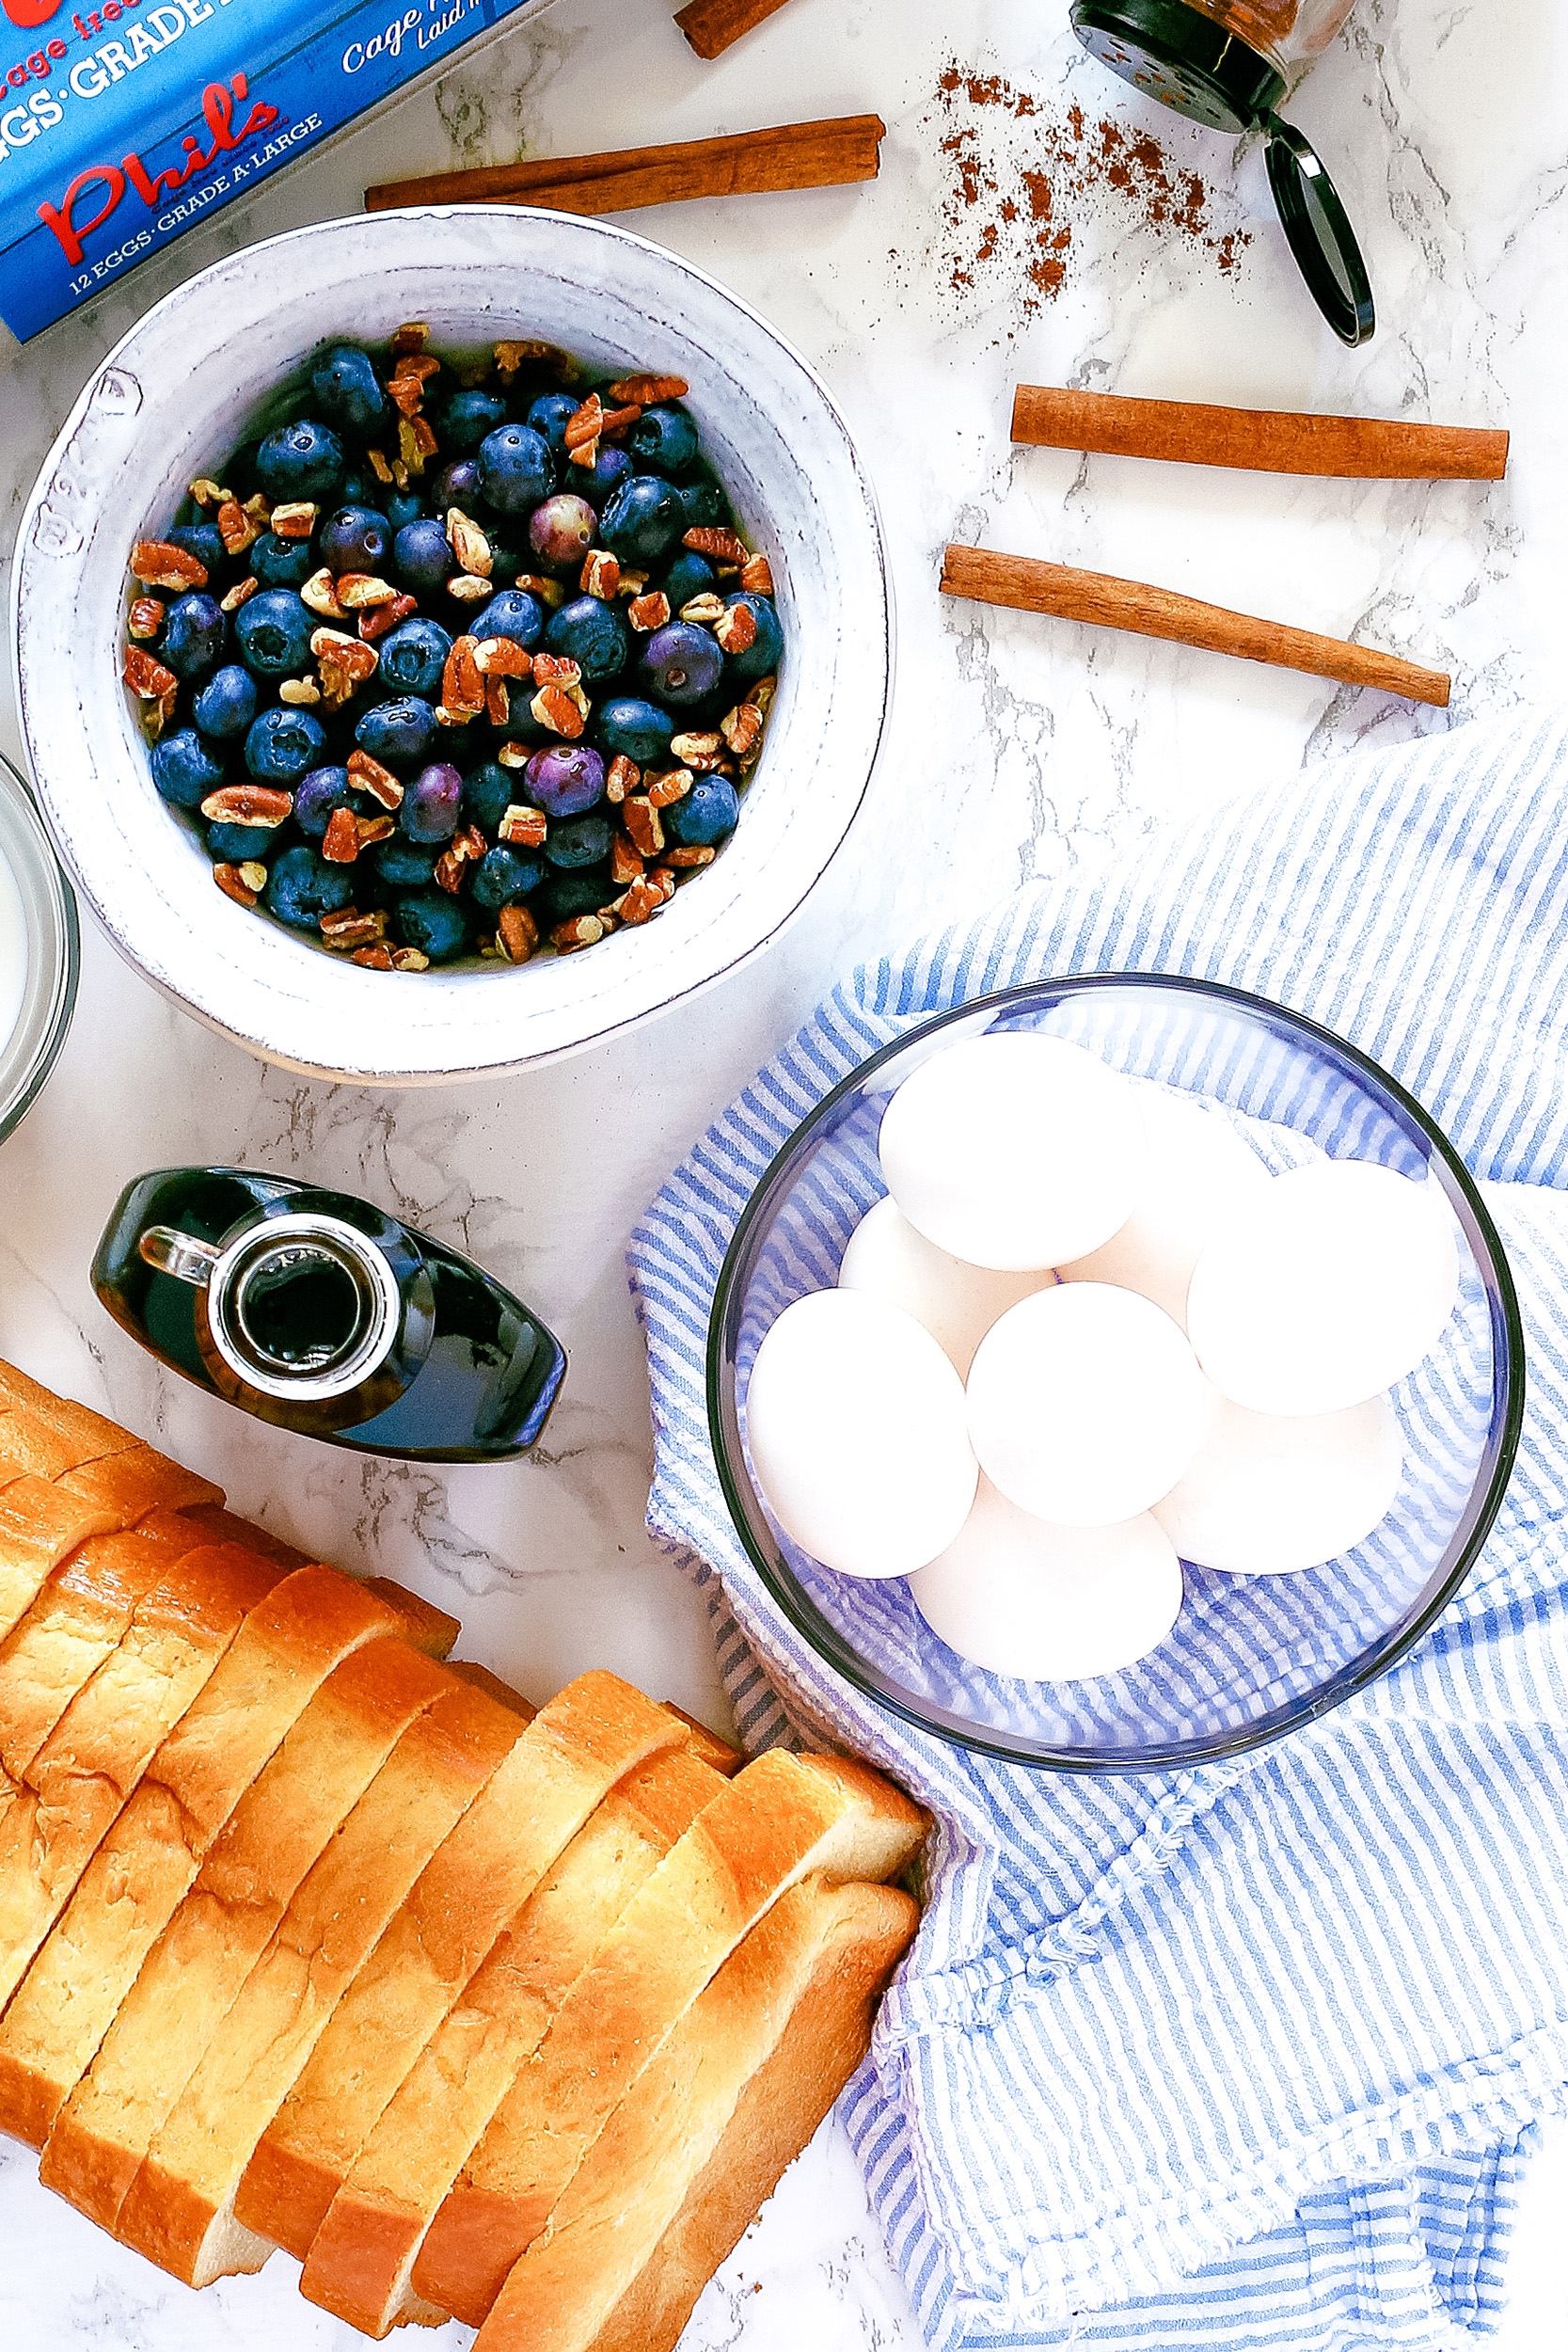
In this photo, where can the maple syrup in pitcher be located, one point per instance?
(319, 1311)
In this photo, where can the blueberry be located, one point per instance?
(420, 556)
(706, 814)
(644, 519)
(458, 486)
(598, 483)
(565, 779)
(414, 656)
(282, 562)
(466, 419)
(347, 393)
(688, 576)
(316, 796)
(591, 634)
(300, 461)
(202, 540)
(183, 769)
(638, 728)
(561, 531)
(762, 656)
(231, 845)
(226, 703)
(585, 890)
(681, 663)
(512, 613)
(663, 440)
(517, 469)
(704, 506)
(402, 865)
(192, 637)
(282, 744)
(433, 922)
(400, 732)
(501, 878)
(432, 802)
(488, 792)
(550, 416)
(402, 506)
(274, 632)
(302, 888)
(355, 539)
(578, 842)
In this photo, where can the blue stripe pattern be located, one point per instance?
(1250, 2056)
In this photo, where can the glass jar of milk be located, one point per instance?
(38, 951)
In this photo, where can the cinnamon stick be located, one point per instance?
(711, 26)
(1260, 440)
(1099, 597)
(748, 163)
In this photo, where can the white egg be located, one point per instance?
(1268, 1494)
(1329, 1287)
(957, 1303)
(1085, 1405)
(855, 1421)
(1020, 1596)
(1196, 1172)
(1014, 1150)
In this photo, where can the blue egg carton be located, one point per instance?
(125, 124)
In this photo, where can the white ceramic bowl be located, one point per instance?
(183, 389)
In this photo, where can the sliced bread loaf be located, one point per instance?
(179, 2211)
(361, 2262)
(191, 1977)
(817, 1963)
(137, 1481)
(571, 1754)
(39, 1526)
(146, 1864)
(783, 1818)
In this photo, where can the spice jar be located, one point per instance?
(1227, 64)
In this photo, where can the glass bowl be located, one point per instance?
(1249, 1657)
(45, 968)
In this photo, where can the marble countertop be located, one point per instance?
(1001, 241)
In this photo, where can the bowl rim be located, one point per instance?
(623, 998)
(50, 903)
(1508, 1375)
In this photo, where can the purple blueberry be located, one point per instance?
(458, 486)
(561, 531)
(421, 559)
(517, 469)
(300, 461)
(432, 803)
(501, 878)
(355, 539)
(226, 703)
(346, 390)
(565, 779)
(414, 655)
(316, 794)
(302, 888)
(644, 519)
(283, 745)
(399, 733)
(274, 632)
(590, 634)
(681, 663)
(193, 636)
(183, 769)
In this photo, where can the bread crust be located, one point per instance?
(40, 1524)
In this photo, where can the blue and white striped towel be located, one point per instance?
(1250, 2055)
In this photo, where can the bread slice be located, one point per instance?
(830, 1947)
(708, 1745)
(573, 1753)
(481, 1679)
(360, 2261)
(428, 1627)
(222, 1526)
(191, 1977)
(179, 2211)
(104, 1741)
(146, 1864)
(39, 1526)
(762, 1831)
(138, 1481)
(826, 2036)
(47, 1435)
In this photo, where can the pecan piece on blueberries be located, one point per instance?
(410, 959)
(376, 619)
(146, 678)
(601, 575)
(672, 786)
(720, 546)
(358, 590)
(523, 826)
(157, 564)
(625, 863)
(646, 613)
(295, 519)
(736, 631)
(497, 702)
(261, 804)
(412, 336)
(340, 841)
(641, 819)
(373, 958)
(691, 858)
(561, 711)
(468, 543)
(232, 883)
(501, 656)
(300, 691)
(147, 618)
(207, 493)
(647, 391)
(320, 592)
(583, 930)
(237, 594)
(348, 928)
(517, 934)
(379, 781)
(550, 593)
(703, 610)
(470, 587)
(238, 529)
(464, 848)
(624, 776)
(756, 574)
(741, 729)
(462, 680)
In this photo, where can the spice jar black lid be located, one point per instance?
(1185, 59)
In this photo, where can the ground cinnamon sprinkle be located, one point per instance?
(1012, 199)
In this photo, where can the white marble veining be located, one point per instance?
(1019, 747)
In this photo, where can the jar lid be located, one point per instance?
(1177, 55)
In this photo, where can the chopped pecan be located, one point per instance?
(554, 708)
(625, 863)
(583, 428)
(554, 669)
(407, 387)
(497, 702)
(583, 930)
(643, 900)
(147, 617)
(377, 781)
(547, 592)
(601, 575)
(624, 776)
(510, 357)
(344, 662)
(691, 858)
(155, 716)
(756, 574)
(672, 786)
(704, 610)
(340, 841)
(261, 804)
(206, 492)
(645, 392)
(517, 934)
(233, 885)
(665, 882)
(376, 619)
(238, 529)
(379, 467)
(348, 928)
(462, 683)
(646, 613)
(424, 440)
(470, 587)
(762, 693)
(691, 748)
(146, 678)
(468, 543)
(298, 690)
(737, 630)
(411, 336)
(632, 582)
(410, 959)
(523, 826)
(358, 590)
(720, 546)
(294, 520)
(253, 874)
(157, 564)
(501, 656)
(641, 819)
(320, 592)
(411, 450)
(373, 958)
(237, 594)
(464, 848)
(741, 729)
(513, 756)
